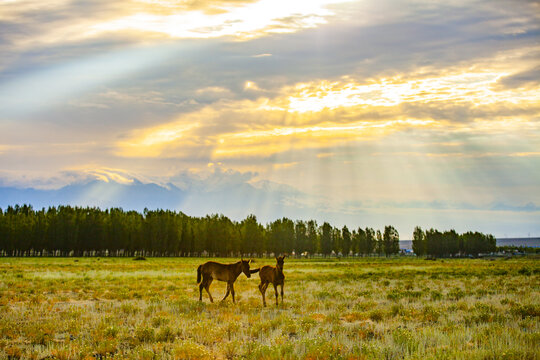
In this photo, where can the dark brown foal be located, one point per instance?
(223, 272)
(272, 274)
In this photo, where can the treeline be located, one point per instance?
(449, 243)
(86, 231)
(78, 231)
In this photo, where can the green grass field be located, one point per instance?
(66, 308)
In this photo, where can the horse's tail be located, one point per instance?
(253, 271)
(199, 271)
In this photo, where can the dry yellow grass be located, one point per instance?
(85, 308)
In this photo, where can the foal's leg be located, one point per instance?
(207, 287)
(232, 293)
(228, 291)
(282, 292)
(262, 289)
(275, 290)
(201, 286)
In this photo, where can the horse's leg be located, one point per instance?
(203, 285)
(232, 292)
(282, 292)
(275, 290)
(207, 287)
(262, 289)
(228, 291)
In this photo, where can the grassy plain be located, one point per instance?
(66, 308)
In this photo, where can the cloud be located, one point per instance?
(321, 114)
(446, 205)
(215, 178)
(326, 50)
(285, 165)
(35, 24)
(364, 101)
(237, 195)
(217, 190)
(523, 79)
(244, 22)
(40, 90)
(529, 207)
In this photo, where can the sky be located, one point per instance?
(361, 113)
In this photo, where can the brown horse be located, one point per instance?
(272, 274)
(223, 272)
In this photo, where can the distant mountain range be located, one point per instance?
(234, 199)
(235, 195)
(134, 196)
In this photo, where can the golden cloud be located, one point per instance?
(321, 114)
(153, 142)
(164, 19)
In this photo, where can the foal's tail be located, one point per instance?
(199, 270)
(253, 271)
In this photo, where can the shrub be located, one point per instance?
(436, 295)
(376, 314)
(528, 310)
(231, 349)
(455, 294)
(430, 314)
(129, 309)
(307, 323)
(40, 335)
(165, 334)
(484, 313)
(190, 350)
(104, 349)
(322, 295)
(13, 352)
(405, 338)
(398, 309)
(111, 332)
(525, 271)
(365, 305)
(158, 321)
(144, 334)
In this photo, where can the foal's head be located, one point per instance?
(280, 261)
(245, 267)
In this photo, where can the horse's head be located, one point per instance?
(280, 260)
(245, 267)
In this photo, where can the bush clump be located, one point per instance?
(528, 310)
(144, 334)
